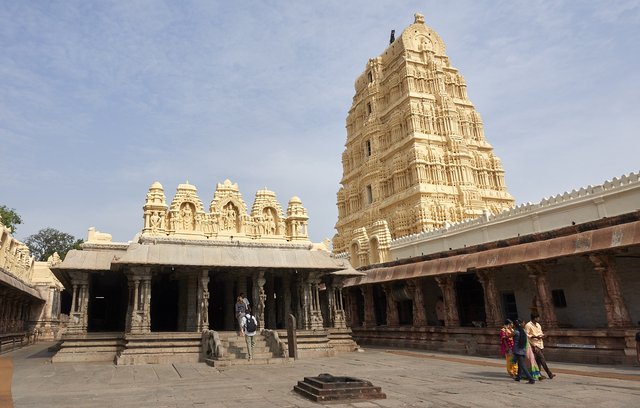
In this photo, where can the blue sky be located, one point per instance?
(99, 99)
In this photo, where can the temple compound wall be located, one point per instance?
(151, 300)
(425, 214)
(416, 157)
(29, 295)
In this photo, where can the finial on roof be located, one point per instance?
(392, 38)
(419, 18)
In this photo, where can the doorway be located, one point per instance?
(164, 302)
(107, 307)
(470, 300)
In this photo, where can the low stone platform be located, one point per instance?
(328, 388)
(160, 348)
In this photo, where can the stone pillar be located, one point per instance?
(340, 320)
(262, 297)
(336, 306)
(419, 315)
(286, 297)
(139, 311)
(3, 307)
(301, 300)
(79, 303)
(392, 306)
(491, 302)
(545, 308)
(369, 313)
(348, 310)
(315, 313)
(192, 306)
(203, 300)
(614, 304)
(447, 284)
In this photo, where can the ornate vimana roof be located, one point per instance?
(227, 216)
(416, 157)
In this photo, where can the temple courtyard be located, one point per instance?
(409, 378)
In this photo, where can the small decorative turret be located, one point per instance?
(297, 220)
(155, 209)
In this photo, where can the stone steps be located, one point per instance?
(236, 352)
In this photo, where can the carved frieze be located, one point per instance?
(227, 219)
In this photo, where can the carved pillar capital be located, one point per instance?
(614, 304)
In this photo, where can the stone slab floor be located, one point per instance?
(410, 378)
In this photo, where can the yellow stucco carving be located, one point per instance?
(416, 157)
(228, 216)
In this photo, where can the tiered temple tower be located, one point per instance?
(416, 157)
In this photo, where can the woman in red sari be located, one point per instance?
(506, 347)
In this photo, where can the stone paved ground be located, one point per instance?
(409, 378)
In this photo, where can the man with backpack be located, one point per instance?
(249, 326)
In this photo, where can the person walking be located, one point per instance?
(249, 327)
(536, 336)
(245, 300)
(520, 342)
(506, 347)
(241, 309)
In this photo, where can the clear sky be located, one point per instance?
(99, 99)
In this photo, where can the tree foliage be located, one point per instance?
(49, 240)
(10, 218)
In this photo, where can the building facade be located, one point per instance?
(30, 296)
(152, 299)
(416, 157)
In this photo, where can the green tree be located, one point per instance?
(10, 218)
(45, 242)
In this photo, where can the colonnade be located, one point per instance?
(15, 310)
(302, 293)
(362, 296)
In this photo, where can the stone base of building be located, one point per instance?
(89, 347)
(161, 348)
(593, 346)
(341, 340)
(175, 347)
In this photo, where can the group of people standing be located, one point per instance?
(247, 323)
(522, 346)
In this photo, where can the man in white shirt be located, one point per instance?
(535, 334)
(249, 327)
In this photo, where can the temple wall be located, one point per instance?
(615, 197)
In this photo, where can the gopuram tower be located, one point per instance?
(416, 158)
